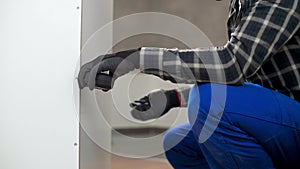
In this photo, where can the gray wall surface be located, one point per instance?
(95, 14)
(209, 16)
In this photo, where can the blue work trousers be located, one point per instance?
(236, 127)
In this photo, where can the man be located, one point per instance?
(258, 123)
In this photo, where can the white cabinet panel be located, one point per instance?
(39, 49)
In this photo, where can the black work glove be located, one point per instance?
(155, 105)
(105, 69)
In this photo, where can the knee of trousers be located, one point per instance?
(206, 105)
(167, 140)
(174, 136)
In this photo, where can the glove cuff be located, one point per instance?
(173, 98)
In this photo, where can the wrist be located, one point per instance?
(173, 98)
(133, 55)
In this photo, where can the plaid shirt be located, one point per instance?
(263, 48)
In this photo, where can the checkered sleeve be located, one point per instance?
(265, 26)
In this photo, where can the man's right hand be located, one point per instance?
(103, 71)
(155, 104)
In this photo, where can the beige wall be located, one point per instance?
(208, 15)
(95, 14)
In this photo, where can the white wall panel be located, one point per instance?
(39, 50)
